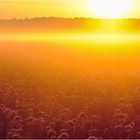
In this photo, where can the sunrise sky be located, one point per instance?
(63, 8)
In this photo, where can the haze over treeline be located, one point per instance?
(55, 24)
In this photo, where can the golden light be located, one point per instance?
(109, 8)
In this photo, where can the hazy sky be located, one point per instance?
(61, 8)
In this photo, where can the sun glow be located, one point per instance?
(109, 8)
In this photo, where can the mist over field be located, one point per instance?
(56, 24)
(69, 78)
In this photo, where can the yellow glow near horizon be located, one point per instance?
(110, 8)
(62, 37)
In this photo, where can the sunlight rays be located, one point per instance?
(109, 8)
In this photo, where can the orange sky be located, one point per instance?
(60, 8)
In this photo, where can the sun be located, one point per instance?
(109, 8)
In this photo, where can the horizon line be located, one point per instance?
(24, 18)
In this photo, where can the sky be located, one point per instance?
(58, 8)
